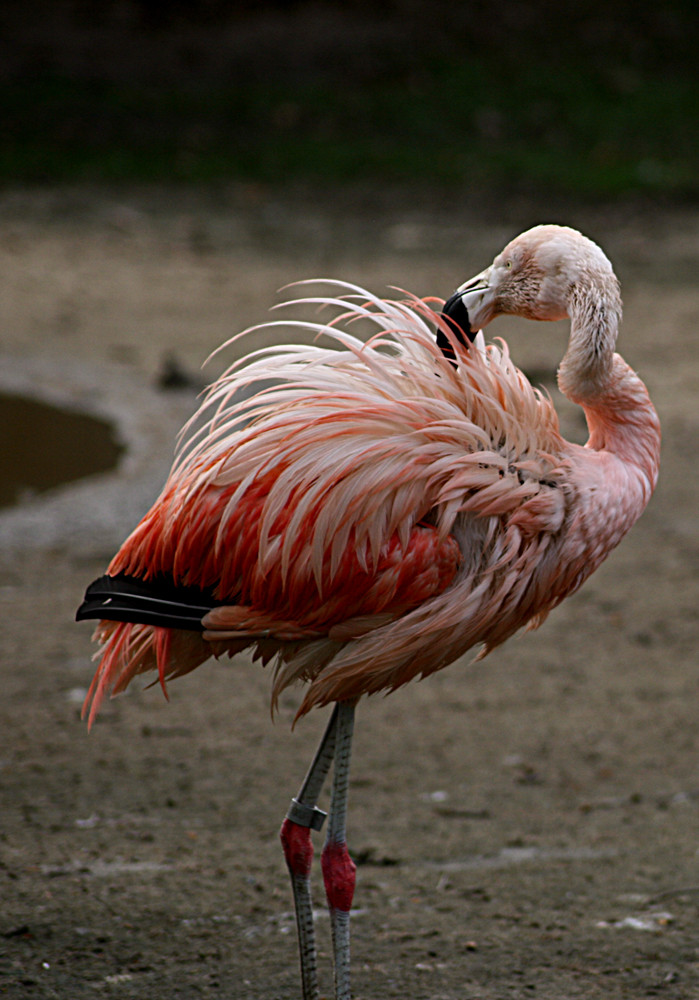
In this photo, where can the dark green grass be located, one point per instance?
(560, 126)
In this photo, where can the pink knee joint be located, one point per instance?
(298, 848)
(339, 875)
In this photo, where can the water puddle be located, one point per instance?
(42, 446)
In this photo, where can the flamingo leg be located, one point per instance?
(302, 817)
(338, 867)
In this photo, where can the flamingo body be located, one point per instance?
(377, 511)
(364, 513)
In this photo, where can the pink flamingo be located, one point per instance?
(375, 509)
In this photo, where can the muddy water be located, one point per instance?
(42, 446)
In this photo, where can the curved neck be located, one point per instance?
(620, 416)
(594, 308)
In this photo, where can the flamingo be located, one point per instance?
(364, 513)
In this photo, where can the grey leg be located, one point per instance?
(338, 867)
(302, 817)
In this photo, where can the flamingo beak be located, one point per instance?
(467, 310)
(456, 315)
(477, 298)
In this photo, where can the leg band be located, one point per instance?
(304, 815)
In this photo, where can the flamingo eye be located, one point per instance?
(508, 264)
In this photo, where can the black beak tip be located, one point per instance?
(456, 316)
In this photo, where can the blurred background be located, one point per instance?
(165, 169)
(596, 98)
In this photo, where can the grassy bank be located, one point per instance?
(582, 118)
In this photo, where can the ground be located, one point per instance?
(526, 826)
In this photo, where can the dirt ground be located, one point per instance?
(524, 827)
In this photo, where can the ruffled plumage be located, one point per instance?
(365, 512)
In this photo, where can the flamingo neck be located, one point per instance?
(585, 374)
(620, 416)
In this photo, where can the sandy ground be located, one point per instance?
(524, 827)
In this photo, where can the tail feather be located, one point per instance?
(128, 649)
(143, 625)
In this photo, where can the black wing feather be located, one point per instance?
(157, 601)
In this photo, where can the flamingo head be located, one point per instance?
(535, 277)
